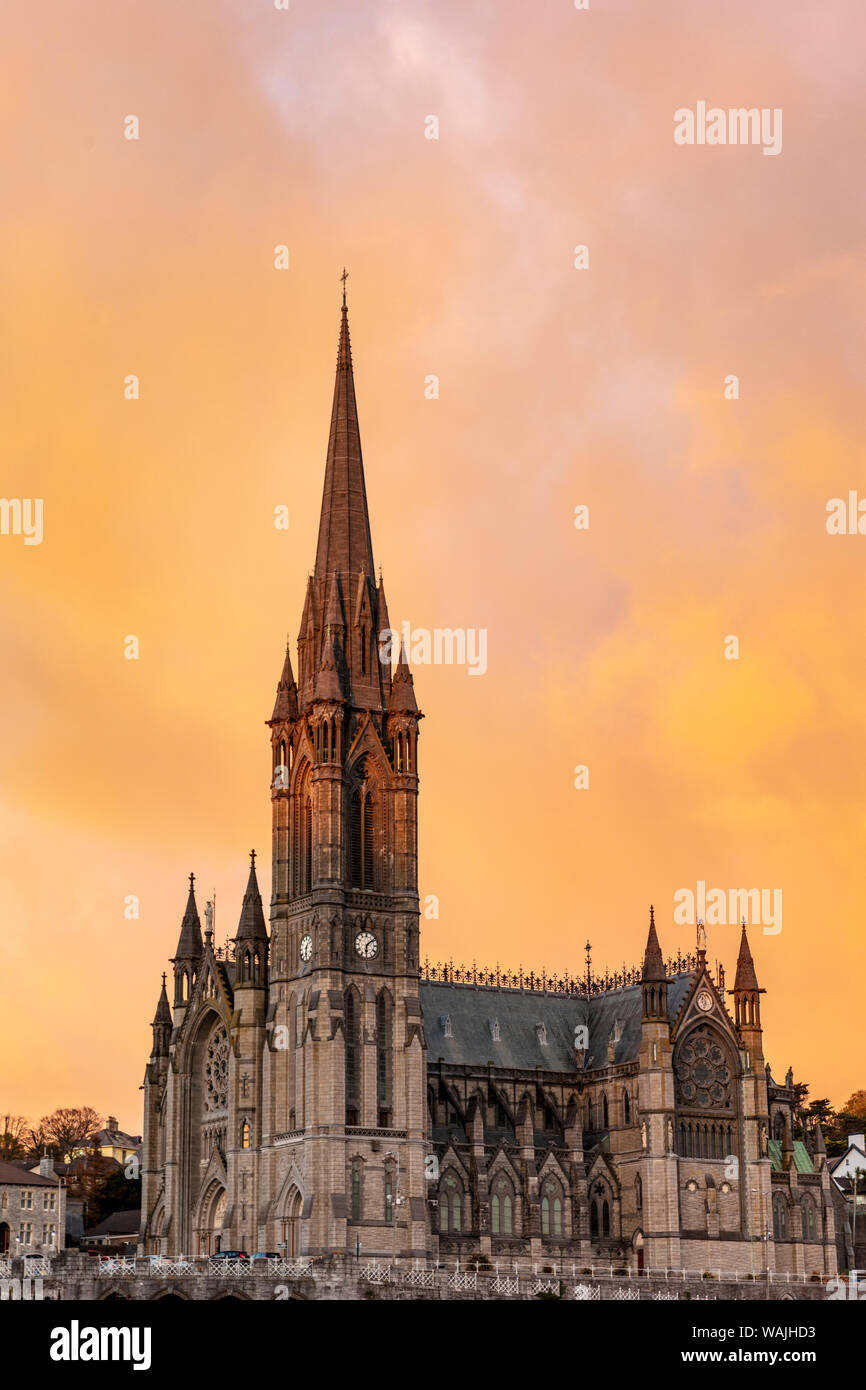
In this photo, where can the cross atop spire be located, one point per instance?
(344, 277)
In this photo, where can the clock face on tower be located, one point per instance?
(306, 947)
(704, 1001)
(366, 945)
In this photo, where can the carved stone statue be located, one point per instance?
(208, 917)
(643, 1135)
(670, 1135)
(764, 1141)
(702, 937)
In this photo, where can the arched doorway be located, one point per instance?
(4, 1237)
(213, 1210)
(639, 1251)
(291, 1224)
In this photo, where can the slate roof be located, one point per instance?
(119, 1223)
(12, 1175)
(472, 1009)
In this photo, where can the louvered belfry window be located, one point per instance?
(362, 840)
(353, 1057)
(383, 1058)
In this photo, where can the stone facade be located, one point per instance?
(314, 1092)
(32, 1210)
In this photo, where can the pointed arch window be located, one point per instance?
(809, 1222)
(356, 1191)
(451, 1204)
(551, 1208)
(604, 1115)
(626, 1108)
(307, 875)
(390, 1206)
(502, 1206)
(245, 1134)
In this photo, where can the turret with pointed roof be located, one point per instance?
(746, 979)
(747, 1001)
(161, 1024)
(251, 926)
(286, 705)
(402, 697)
(251, 937)
(189, 950)
(654, 985)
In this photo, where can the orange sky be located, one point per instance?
(557, 387)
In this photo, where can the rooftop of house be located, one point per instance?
(15, 1175)
(119, 1223)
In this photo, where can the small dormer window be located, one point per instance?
(541, 1033)
(494, 1029)
(445, 1022)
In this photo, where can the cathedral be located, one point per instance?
(313, 1089)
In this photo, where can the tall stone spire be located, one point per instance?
(342, 614)
(345, 546)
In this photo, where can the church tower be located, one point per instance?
(344, 1087)
(657, 1106)
(754, 1159)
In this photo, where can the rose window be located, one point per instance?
(216, 1071)
(703, 1074)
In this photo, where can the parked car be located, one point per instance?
(267, 1255)
(230, 1255)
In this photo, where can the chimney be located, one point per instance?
(46, 1166)
(857, 1141)
(111, 1122)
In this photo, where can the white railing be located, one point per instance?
(505, 1284)
(545, 1286)
(663, 1296)
(231, 1269)
(624, 1295)
(587, 1292)
(35, 1265)
(116, 1264)
(456, 1280)
(419, 1278)
(174, 1269)
(375, 1274)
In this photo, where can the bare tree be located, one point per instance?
(69, 1131)
(13, 1137)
